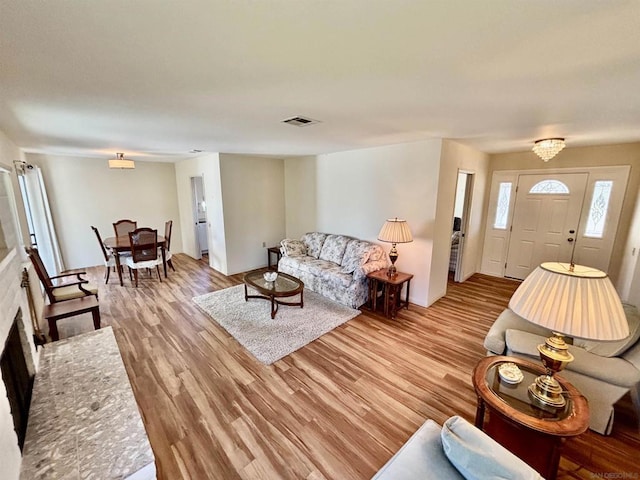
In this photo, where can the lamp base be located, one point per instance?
(393, 256)
(555, 356)
(392, 272)
(547, 391)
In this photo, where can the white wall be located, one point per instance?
(356, 191)
(207, 167)
(85, 191)
(456, 157)
(254, 208)
(300, 195)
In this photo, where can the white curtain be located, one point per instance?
(37, 204)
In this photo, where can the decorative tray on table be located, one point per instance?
(510, 373)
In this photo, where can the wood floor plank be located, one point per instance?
(338, 408)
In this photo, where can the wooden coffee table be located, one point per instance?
(283, 286)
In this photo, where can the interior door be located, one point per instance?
(546, 219)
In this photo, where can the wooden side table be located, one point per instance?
(70, 308)
(532, 431)
(391, 291)
(273, 251)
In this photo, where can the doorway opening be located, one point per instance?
(199, 217)
(461, 208)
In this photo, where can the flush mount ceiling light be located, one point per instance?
(121, 162)
(548, 148)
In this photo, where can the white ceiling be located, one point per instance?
(157, 78)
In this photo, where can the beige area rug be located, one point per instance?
(269, 340)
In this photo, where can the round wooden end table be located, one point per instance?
(511, 416)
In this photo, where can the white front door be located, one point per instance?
(545, 221)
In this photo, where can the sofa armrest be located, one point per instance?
(363, 270)
(495, 341)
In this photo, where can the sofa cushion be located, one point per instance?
(477, 456)
(315, 266)
(611, 370)
(334, 276)
(295, 263)
(333, 248)
(617, 348)
(293, 248)
(356, 254)
(314, 241)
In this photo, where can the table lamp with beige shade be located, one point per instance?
(394, 231)
(572, 300)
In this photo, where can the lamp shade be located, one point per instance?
(395, 231)
(573, 300)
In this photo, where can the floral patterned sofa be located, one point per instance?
(335, 266)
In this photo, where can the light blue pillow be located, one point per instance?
(478, 457)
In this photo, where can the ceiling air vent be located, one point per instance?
(300, 121)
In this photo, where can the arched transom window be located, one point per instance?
(550, 187)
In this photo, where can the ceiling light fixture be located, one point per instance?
(548, 148)
(121, 162)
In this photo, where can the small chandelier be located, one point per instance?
(548, 148)
(121, 162)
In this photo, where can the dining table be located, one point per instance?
(122, 244)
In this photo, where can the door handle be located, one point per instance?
(569, 239)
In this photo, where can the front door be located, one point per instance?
(545, 221)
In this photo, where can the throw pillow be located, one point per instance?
(375, 252)
(293, 248)
(356, 255)
(477, 456)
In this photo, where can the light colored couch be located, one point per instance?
(602, 371)
(457, 451)
(335, 266)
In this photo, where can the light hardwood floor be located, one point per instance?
(336, 409)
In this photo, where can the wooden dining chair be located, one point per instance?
(123, 227)
(144, 251)
(109, 256)
(69, 287)
(168, 226)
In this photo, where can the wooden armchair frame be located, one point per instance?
(48, 281)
